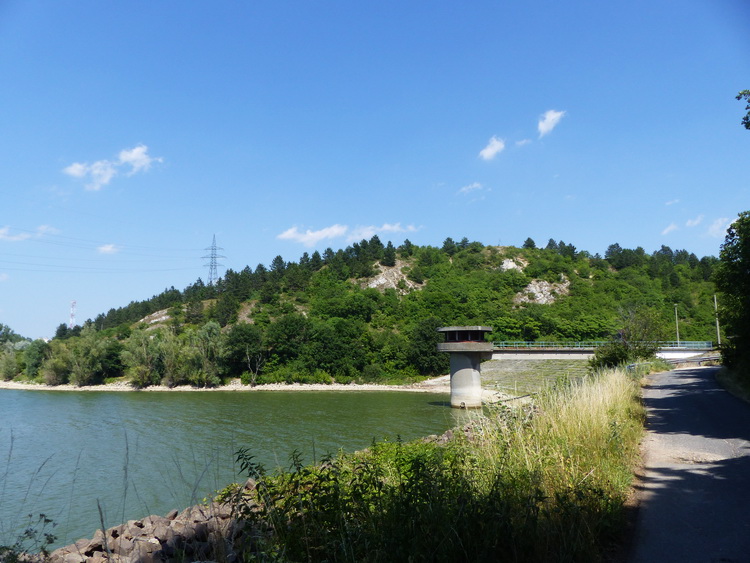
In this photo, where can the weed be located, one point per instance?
(546, 482)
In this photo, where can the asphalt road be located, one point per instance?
(695, 495)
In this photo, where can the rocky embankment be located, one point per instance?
(201, 533)
(198, 533)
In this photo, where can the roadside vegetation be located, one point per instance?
(543, 482)
(368, 313)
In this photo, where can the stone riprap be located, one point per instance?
(198, 533)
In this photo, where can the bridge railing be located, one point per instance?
(593, 344)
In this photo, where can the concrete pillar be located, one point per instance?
(467, 348)
(466, 385)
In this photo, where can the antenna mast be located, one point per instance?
(72, 322)
(213, 264)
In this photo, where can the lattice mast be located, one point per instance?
(213, 261)
(72, 322)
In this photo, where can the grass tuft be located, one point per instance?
(543, 482)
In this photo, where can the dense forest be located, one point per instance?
(368, 313)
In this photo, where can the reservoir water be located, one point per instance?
(67, 454)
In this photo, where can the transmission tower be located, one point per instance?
(72, 322)
(213, 264)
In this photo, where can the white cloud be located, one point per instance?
(138, 158)
(672, 202)
(311, 238)
(6, 235)
(718, 228)
(470, 188)
(4, 277)
(669, 229)
(107, 249)
(523, 142)
(694, 222)
(548, 121)
(101, 172)
(493, 148)
(367, 232)
(77, 170)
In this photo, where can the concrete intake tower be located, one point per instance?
(467, 347)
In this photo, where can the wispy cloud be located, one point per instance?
(548, 121)
(471, 188)
(4, 277)
(20, 235)
(718, 228)
(672, 202)
(107, 249)
(494, 147)
(669, 229)
(366, 232)
(694, 222)
(523, 142)
(101, 172)
(310, 238)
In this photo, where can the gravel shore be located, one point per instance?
(436, 385)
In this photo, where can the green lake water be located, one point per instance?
(134, 454)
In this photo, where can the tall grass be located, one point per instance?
(545, 482)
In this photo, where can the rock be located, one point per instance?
(199, 533)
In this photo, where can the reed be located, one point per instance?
(547, 481)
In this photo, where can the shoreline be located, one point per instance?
(439, 384)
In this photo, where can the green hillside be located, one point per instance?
(369, 312)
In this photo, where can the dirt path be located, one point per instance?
(695, 494)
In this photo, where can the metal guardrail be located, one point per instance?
(593, 344)
(678, 361)
(700, 361)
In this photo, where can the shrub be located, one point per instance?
(541, 483)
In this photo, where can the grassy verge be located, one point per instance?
(735, 382)
(543, 483)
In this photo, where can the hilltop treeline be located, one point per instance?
(369, 313)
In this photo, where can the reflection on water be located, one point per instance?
(136, 454)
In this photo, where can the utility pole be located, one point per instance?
(677, 325)
(716, 314)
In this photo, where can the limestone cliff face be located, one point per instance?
(392, 277)
(542, 292)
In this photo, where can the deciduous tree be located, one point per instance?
(733, 280)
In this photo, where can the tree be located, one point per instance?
(745, 94)
(245, 352)
(449, 246)
(8, 364)
(529, 243)
(140, 357)
(423, 353)
(389, 255)
(732, 277)
(638, 339)
(35, 354)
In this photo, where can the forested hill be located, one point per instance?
(369, 312)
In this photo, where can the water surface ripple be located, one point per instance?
(136, 454)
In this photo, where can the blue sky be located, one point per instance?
(132, 132)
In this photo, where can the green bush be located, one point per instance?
(541, 483)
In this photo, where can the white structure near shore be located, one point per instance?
(467, 347)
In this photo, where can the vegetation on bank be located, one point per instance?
(546, 482)
(332, 317)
